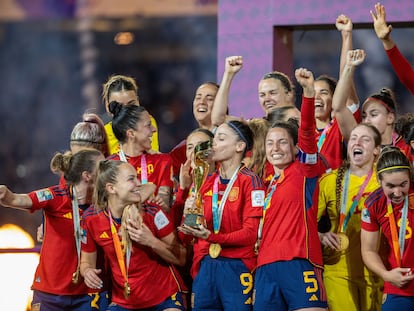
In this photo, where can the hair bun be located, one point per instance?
(386, 92)
(114, 107)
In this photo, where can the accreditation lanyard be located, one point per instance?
(144, 171)
(76, 221)
(344, 216)
(218, 209)
(322, 138)
(118, 250)
(398, 241)
(270, 190)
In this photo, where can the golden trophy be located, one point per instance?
(202, 151)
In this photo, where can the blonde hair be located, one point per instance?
(118, 83)
(258, 157)
(133, 212)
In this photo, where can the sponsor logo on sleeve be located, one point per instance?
(365, 217)
(258, 198)
(160, 220)
(44, 195)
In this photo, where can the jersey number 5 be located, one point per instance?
(310, 279)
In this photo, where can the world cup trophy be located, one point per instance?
(202, 151)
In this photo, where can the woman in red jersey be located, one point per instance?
(232, 199)
(57, 283)
(133, 129)
(389, 212)
(289, 272)
(379, 109)
(141, 262)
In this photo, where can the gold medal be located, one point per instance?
(75, 276)
(127, 290)
(343, 241)
(214, 250)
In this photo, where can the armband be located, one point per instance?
(307, 158)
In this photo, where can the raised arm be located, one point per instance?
(343, 115)
(382, 30)
(344, 25)
(307, 129)
(233, 64)
(401, 66)
(14, 200)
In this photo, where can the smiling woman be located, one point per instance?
(133, 129)
(341, 198)
(390, 210)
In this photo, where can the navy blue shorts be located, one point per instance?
(48, 302)
(397, 303)
(174, 301)
(289, 285)
(222, 284)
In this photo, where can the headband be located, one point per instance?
(393, 168)
(381, 102)
(240, 134)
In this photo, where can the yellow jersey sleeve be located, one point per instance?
(113, 144)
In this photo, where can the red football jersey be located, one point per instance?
(159, 168)
(151, 279)
(58, 257)
(239, 224)
(375, 218)
(290, 223)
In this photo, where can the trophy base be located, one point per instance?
(193, 220)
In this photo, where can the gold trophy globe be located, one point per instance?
(202, 151)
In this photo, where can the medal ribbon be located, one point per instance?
(398, 241)
(344, 217)
(118, 250)
(144, 171)
(76, 222)
(322, 138)
(122, 156)
(270, 190)
(216, 208)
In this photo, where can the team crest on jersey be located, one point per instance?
(160, 220)
(258, 198)
(234, 194)
(366, 216)
(44, 195)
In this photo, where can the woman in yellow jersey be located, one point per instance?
(342, 193)
(124, 90)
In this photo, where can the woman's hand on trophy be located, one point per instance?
(190, 205)
(200, 232)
